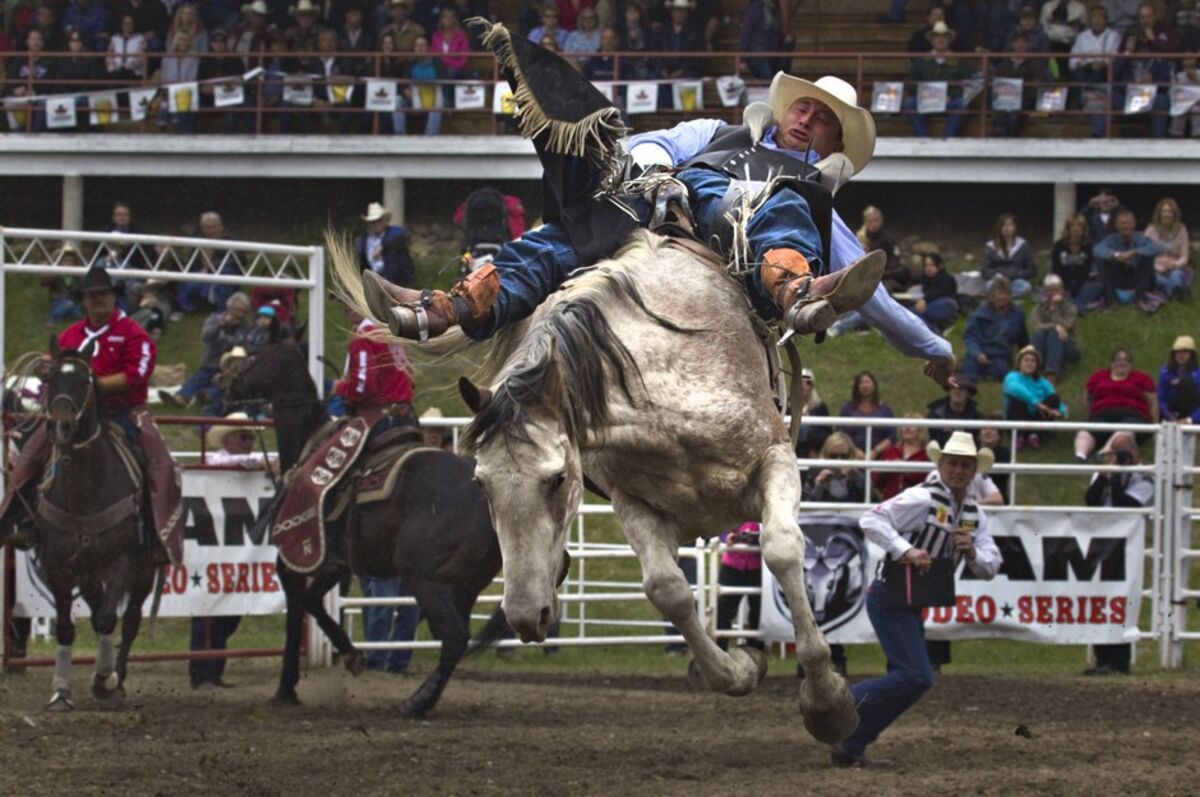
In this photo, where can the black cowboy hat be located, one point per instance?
(97, 280)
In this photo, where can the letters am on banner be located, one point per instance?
(1065, 580)
(224, 570)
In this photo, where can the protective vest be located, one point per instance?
(937, 535)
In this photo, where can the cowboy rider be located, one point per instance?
(123, 359)
(375, 383)
(812, 122)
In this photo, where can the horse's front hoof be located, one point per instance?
(287, 699)
(747, 678)
(835, 719)
(413, 708)
(356, 662)
(61, 701)
(108, 688)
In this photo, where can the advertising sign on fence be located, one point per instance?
(225, 569)
(931, 96)
(887, 97)
(1066, 579)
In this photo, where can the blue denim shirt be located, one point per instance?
(995, 334)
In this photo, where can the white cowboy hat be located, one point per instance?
(858, 128)
(939, 29)
(685, 4)
(257, 7)
(215, 436)
(431, 414)
(375, 212)
(1184, 343)
(236, 353)
(961, 444)
(304, 7)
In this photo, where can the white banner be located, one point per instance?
(1052, 99)
(297, 90)
(641, 97)
(730, 89)
(139, 103)
(1066, 580)
(1183, 97)
(229, 94)
(1139, 97)
(605, 87)
(1006, 93)
(469, 96)
(103, 108)
(502, 100)
(381, 95)
(60, 112)
(931, 96)
(688, 95)
(887, 96)
(183, 97)
(224, 570)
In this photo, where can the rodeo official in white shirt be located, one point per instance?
(933, 520)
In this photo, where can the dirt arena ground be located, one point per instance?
(539, 733)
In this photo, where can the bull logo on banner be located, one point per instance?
(835, 570)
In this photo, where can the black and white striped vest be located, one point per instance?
(937, 535)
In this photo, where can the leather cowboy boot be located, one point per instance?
(812, 304)
(420, 315)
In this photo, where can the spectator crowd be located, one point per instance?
(316, 58)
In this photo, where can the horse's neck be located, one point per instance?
(296, 420)
(76, 488)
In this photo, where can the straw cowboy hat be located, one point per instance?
(304, 7)
(961, 444)
(858, 128)
(257, 7)
(1030, 350)
(375, 212)
(940, 29)
(236, 353)
(433, 413)
(214, 438)
(1184, 343)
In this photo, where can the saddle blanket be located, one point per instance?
(299, 528)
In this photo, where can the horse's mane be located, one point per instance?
(574, 344)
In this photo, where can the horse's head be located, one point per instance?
(265, 374)
(71, 394)
(529, 466)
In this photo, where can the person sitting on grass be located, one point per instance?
(994, 331)
(1008, 254)
(1053, 326)
(1179, 383)
(938, 305)
(1126, 262)
(1171, 270)
(957, 405)
(1029, 396)
(1116, 394)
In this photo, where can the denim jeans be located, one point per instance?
(880, 701)
(1055, 353)
(198, 382)
(1089, 294)
(939, 313)
(388, 624)
(996, 368)
(534, 266)
(1171, 281)
(954, 121)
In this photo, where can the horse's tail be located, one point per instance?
(493, 631)
(160, 581)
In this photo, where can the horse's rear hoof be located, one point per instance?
(834, 723)
(61, 701)
(356, 662)
(286, 699)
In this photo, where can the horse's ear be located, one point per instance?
(54, 345)
(476, 397)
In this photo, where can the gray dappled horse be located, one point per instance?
(676, 424)
(89, 537)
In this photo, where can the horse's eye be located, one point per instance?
(557, 481)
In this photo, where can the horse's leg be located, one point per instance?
(448, 624)
(653, 538)
(64, 632)
(140, 587)
(314, 604)
(825, 702)
(289, 675)
(104, 622)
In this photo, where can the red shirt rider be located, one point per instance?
(376, 371)
(122, 346)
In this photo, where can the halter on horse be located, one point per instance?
(88, 516)
(677, 425)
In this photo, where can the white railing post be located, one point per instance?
(316, 317)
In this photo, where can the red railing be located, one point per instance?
(867, 69)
